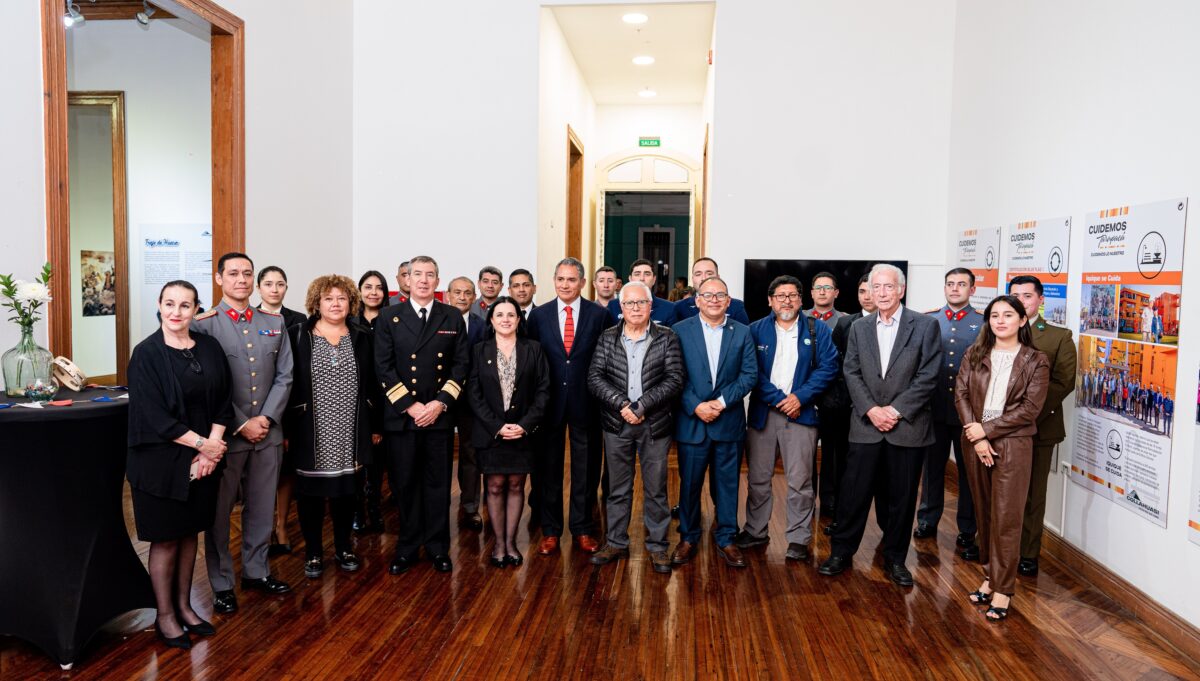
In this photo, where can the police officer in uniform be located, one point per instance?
(960, 324)
(422, 358)
(260, 361)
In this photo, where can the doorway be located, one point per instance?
(649, 225)
(574, 246)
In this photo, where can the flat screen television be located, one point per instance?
(759, 274)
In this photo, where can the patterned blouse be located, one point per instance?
(335, 403)
(506, 367)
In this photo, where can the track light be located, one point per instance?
(143, 17)
(72, 17)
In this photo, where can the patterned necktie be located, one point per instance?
(568, 331)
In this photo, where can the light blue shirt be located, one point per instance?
(712, 344)
(635, 354)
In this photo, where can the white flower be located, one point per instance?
(31, 292)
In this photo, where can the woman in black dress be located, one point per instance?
(508, 389)
(272, 287)
(179, 408)
(372, 288)
(331, 416)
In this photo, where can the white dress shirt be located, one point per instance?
(417, 308)
(466, 321)
(562, 315)
(885, 334)
(713, 335)
(787, 353)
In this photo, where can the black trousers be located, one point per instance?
(586, 457)
(371, 482)
(833, 429)
(311, 511)
(933, 482)
(419, 467)
(469, 479)
(900, 470)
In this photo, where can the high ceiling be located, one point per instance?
(678, 36)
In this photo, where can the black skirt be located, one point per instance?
(162, 519)
(505, 457)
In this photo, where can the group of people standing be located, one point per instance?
(1113, 390)
(241, 401)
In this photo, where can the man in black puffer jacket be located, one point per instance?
(636, 374)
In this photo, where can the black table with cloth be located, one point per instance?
(67, 565)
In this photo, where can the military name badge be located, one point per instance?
(447, 333)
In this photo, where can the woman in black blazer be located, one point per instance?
(372, 289)
(508, 389)
(179, 408)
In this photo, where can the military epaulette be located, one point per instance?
(205, 315)
(934, 310)
(271, 314)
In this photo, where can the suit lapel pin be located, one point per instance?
(808, 341)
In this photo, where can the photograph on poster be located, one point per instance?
(1098, 314)
(1149, 313)
(1055, 311)
(98, 279)
(1131, 383)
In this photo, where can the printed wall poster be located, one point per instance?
(1128, 354)
(979, 251)
(171, 252)
(98, 280)
(1040, 248)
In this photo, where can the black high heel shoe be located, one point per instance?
(514, 560)
(200, 629)
(498, 562)
(182, 641)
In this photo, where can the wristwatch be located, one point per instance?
(199, 442)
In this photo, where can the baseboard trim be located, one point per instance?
(1167, 625)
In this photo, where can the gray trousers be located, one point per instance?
(796, 445)
(620, 450)
(468, 469)
(255, 474)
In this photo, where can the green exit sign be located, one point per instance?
(649, 142)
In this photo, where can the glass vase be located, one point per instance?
(29, 369)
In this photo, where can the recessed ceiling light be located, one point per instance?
(635, 18)
(647, 93)
(644, 60)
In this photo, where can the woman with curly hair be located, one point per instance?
(331, 416)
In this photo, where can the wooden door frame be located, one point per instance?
(228, 75)
(574, 224)
(115, 103)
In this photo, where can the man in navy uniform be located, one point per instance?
(662, 311)
(260, 364)
(702, 270)
(960, 324)
(421, 356)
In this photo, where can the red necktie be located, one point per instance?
(568, 331)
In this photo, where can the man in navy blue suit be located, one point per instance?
(662, 311)
(568, 329)
(702, 269)
(460, 293)
(796, 362)
(718, 355)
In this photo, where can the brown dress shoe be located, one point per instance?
(660, 562)
(684, 553)
(587, 543)
(607, 555)
(733, 556)
(547, 545)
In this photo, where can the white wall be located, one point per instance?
(832, 134)
(1065, 108)
(163, 69)
(22, 173)
(680, 127)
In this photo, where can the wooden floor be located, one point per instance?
(561, 618)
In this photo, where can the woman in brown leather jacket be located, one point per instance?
(999, 393)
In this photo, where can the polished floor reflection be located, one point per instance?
(560, 617)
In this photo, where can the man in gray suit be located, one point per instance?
(260, 364)
(891, 369)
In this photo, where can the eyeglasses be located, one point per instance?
(634, 304)
(786, 297)
(193, 364)
(710, 296)
(824, 287)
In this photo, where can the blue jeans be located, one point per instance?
(694, 460)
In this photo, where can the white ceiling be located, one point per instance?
(677, 36)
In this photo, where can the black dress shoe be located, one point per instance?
(965, 539)
(898, 574)
(500, 562)
(834, 565)
(181, 641)
(970, 553)
(514, 560)
(745, 540)
(225, 602)
(200, 629)
(347, 561)
(313, 567)
(400, 565)
(441, 563)
(471, 521)
(924, 531)
(796, 552)
(268, 585)
(279, 550)
(1028, 567)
